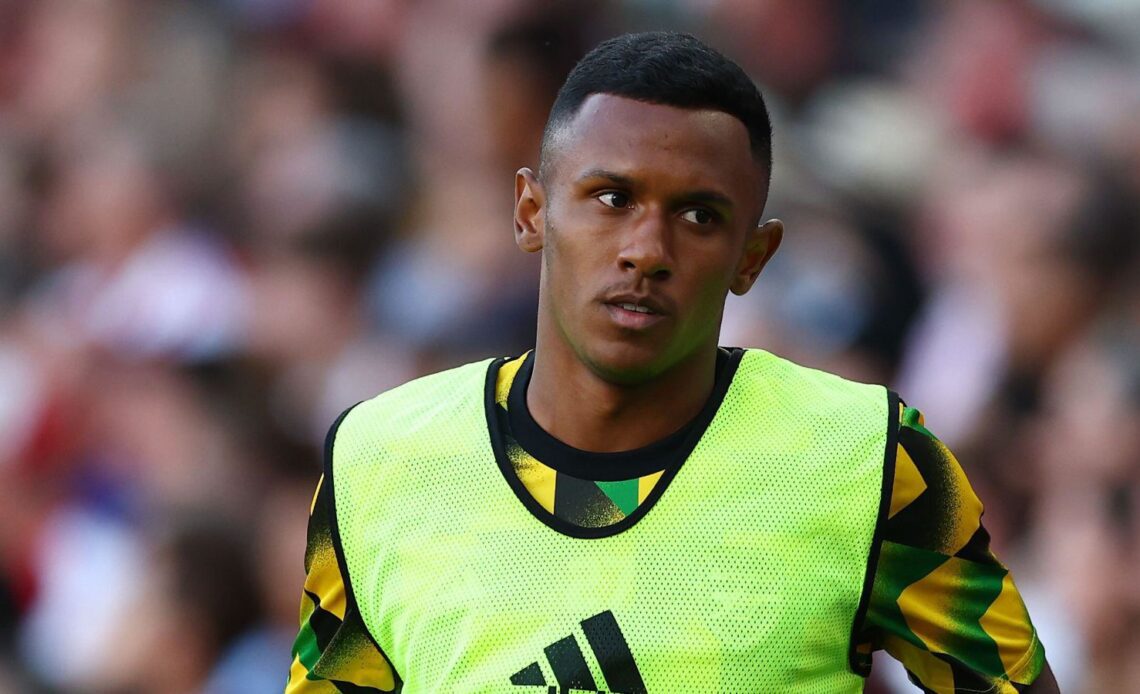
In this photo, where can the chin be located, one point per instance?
(626, 364)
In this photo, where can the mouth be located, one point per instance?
(634, 313)
(634, 307)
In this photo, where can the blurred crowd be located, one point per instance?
(222, 222)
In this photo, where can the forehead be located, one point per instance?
(699, 146)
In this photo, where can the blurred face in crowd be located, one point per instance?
(647, 216)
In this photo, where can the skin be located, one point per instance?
(657, 205)
(1045, 683)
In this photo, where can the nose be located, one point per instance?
(647, 248)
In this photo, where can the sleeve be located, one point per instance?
(333, 651)
(941, 602)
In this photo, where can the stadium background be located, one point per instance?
(223, 221)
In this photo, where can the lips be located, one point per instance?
(639, 303)
(635, 311)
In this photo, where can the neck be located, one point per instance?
(582, 409)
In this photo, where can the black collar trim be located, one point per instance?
(623, 465)
(667, 454)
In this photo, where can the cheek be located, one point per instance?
(715, 268)
(570, 259)
(559, 279)
(710, 285)
(710, 298)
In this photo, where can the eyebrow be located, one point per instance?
(606, 175)
(708, 197)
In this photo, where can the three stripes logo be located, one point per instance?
(568, 664)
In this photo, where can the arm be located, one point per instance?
(333, 651)
(941, 602)
(1045, 683)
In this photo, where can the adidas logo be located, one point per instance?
(571, 672)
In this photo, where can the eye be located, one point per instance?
(612, 198)
(698, 215)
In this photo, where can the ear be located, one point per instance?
(759, 248)
(530, 201)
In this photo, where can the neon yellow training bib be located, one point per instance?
(745, 576)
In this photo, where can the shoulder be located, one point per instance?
(932, 504)
(420, 419)
(812, 391)
(431, 397)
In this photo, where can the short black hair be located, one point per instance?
(668, 68)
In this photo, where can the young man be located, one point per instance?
(629, 507)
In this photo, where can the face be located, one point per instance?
(646, 217)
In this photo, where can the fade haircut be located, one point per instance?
(666, 68)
